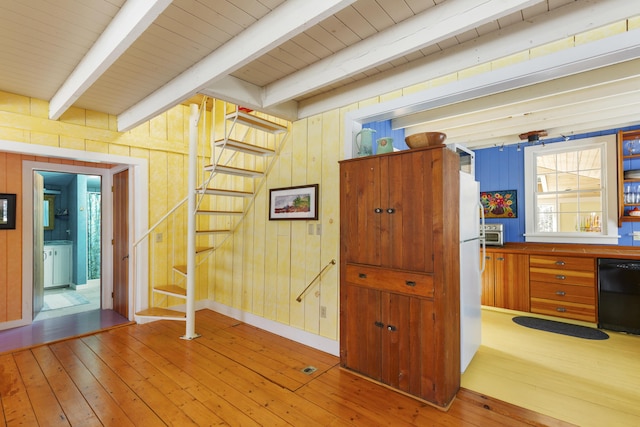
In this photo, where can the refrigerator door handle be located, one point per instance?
(483, 244)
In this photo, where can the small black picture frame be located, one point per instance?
(7, 211)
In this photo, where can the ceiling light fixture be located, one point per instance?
(533, 137)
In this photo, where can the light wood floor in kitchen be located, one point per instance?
(238, 375)
(585, 382)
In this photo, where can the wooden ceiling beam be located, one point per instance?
(287, 20)
(552, 26)
(607, 82)
(130, 22)
(434, 25)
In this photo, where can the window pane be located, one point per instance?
(568, 222)
(547, 219)
(569, 191)
(590, 179)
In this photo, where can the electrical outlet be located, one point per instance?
(323, 312)
(318, 229)
(158, 237)
(311, 228)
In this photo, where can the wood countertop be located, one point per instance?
(566, 249)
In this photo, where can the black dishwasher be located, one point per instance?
(619, 295)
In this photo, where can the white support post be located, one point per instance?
(191, 226)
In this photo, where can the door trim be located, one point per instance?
(138, 189)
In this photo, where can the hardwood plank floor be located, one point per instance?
(235, 374)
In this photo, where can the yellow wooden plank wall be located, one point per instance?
(163, 141)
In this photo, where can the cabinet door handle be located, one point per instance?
(561, 309)
(362, 275)
(561, 293)
(560, 263)
(391, 328)
(379, 324)
(410, 283)
(378, 210)
(390, 210)
(560, 277)
(500, 258)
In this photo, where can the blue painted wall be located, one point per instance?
(504, 170)
(383, 129)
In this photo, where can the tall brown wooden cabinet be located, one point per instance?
(399, 275)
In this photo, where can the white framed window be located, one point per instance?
(571, 191)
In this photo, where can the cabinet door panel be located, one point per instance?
(408, 353)
(360, 224)
(410, 188)
(512, 281)
(396, 357)
(364, 328)
(488, 281)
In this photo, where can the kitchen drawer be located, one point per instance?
(553, 275)
(560, 262)
(563, 292)
(390, 280)
(569, 310)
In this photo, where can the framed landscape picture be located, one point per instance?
(292, 203)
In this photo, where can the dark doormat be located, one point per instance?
(561, 328)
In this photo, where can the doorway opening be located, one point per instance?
(70, 226)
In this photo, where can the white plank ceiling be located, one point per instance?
(296, 58)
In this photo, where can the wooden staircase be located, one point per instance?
(218, 187)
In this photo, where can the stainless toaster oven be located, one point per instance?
(493, 234)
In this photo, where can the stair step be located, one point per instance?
(171, 290)
(182, 269)
(256, 122)
(217, 231)
(162, 313)
(244, 147)
(228, 213)
(229, 193)
(228, 170)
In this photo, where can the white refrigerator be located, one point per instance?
(470, 268)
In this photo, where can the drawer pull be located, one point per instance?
(561, 309)
(500, 258)
(410, 283)
(560, 277)
(561, 293)
(362, 275)
(379, 324)
(560, 263)
(378, 210)
(390, 210)
(391, 328)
